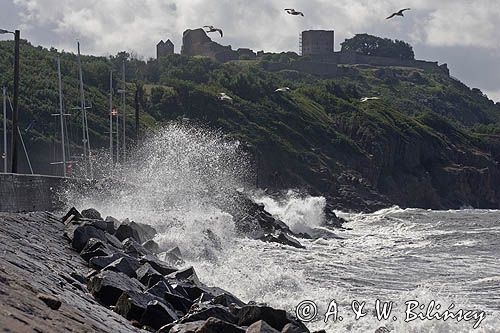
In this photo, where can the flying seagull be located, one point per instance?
(283, 89)
(211, 28)
(224, 97)
(292, 11)
(400, 13)
(365, 99)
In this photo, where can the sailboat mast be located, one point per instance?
(111, 115)
(61, 114)
(83, 110)
(124, 91)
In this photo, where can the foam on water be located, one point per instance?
(182, 180)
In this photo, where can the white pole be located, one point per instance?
(61, 113)
(111, 115)
(4, 129)
(124, 143)
(82, 109)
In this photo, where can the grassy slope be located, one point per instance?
(319, 135)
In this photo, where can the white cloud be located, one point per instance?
(109, 26)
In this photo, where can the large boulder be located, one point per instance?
(95, 248)
(80, 234)
(134, 249)
(157, 315)
(250, 314)
(108, 286)
(92, 214)
(148, 276)
(133, 304)
(205, 311)
(138, 231)
(99, 262)
(162, 267)
(282, 238)
(214, 325)
(261, 327)
(125, 265)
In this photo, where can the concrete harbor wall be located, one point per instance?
(27, 193)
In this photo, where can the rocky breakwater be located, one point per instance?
(127, 276)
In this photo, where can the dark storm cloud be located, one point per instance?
(462, 33)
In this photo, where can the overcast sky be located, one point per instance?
(463, 33)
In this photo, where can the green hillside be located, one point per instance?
(430, 141)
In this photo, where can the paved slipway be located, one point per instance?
(37, 262)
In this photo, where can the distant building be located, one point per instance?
(164, 49)
(317, 42)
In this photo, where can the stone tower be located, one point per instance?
(317, 42)
(164, 49)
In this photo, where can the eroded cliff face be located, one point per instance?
(415, 169)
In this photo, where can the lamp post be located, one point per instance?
(17, 37)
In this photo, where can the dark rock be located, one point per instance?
(191, 327)
(152, 246)
(100, 262)
(92, 214)
(160, 288)
(186, 274)
(133, 248)
(108, 286)
(292, 328)
(261, 327)
(51, 301)
(157, 315)
(79, 235)
(94, 248)
(172, 256)
(124, 265)
(226, 299)
(148, 276)
(132, 304)
(125, 230)
(112, 240)
(112, 224)
(205, 311)
(162, 267)
(252, 313)
(214, 325)
(179, 303)
(138, 231)
(282, 238)
(72, 215)
(99, 224)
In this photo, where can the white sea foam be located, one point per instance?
(182, 179)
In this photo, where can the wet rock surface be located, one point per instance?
(111, 283)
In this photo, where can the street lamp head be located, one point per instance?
(3, 31)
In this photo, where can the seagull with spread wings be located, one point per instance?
(211, 28)
(399, 13)
(292, 11)
(283, 89)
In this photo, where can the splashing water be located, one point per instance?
(300, 212)
(180, 180)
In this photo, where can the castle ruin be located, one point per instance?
(164, 49)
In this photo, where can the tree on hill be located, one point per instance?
(376, 46)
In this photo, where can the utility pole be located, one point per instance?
(5, 163)
(15, 112)
(111, 115)
(61, 115)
